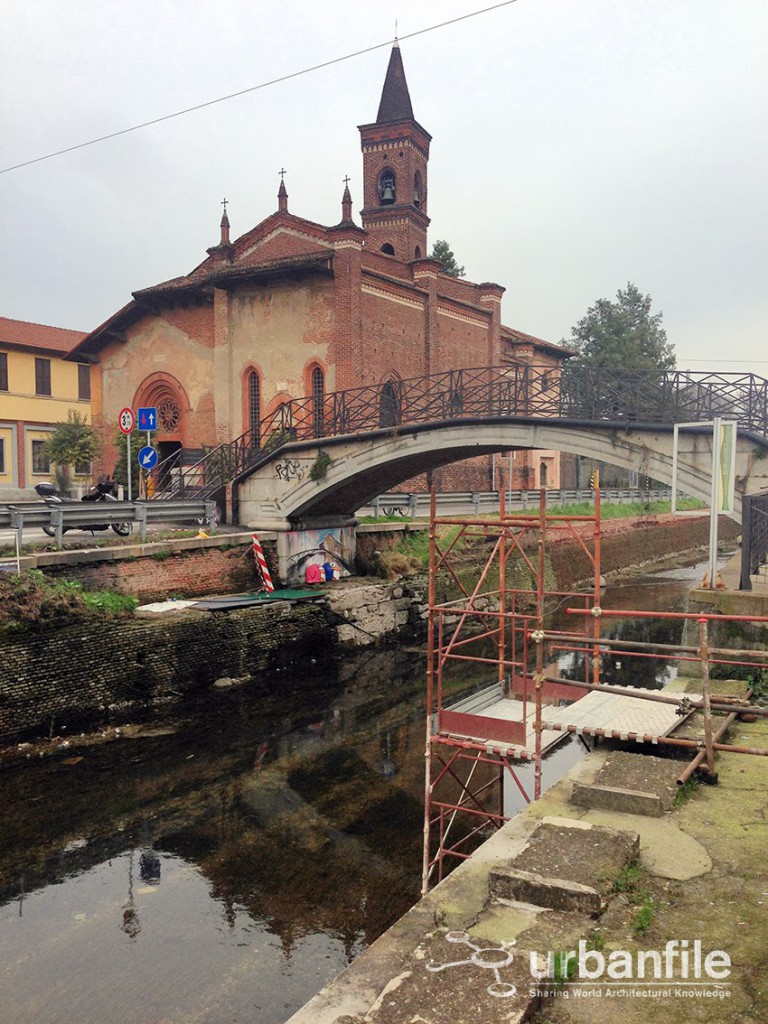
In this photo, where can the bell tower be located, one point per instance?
(395, 156)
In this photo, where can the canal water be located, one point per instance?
(223, 862)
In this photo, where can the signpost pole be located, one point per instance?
(126, 422)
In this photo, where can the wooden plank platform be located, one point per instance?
(490, 719)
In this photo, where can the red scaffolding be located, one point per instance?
(496, 622)
(495, 627)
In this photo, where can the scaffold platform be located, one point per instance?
(615, 717)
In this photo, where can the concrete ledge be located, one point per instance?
(611, 798)
(87, 556)
(553, 893)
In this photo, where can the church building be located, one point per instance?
(295, 309)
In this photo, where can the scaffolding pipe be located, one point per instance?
(704, 653)
(671, 741)
(629, 613)
(648, 646)
(721, 730)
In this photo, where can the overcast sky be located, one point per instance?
(577, 145)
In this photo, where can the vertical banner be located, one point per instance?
(726, 467)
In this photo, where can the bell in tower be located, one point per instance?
(387, 188)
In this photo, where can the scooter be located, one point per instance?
(102, 491)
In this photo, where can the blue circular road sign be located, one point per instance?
(148, 457)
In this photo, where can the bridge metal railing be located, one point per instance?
(414, 506)
(61, 518)
(515, 390)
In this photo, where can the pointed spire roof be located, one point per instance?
(395, 102)
(282, 194)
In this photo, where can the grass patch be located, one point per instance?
(685, 792)
(643, 919)
(628, 879)
(33, 601)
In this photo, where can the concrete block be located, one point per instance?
(612, 798)
(554, 893)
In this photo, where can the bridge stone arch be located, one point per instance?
(283, 491)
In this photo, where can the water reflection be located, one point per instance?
(218, 868)
(223, 865)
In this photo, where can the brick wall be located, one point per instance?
(181, 574)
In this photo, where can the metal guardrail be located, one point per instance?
(754, 533)
(417, 505)
(75, 516)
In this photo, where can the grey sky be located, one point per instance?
(577, 144)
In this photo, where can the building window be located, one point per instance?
(254, 406)
(40, 463)
(42, 376)
(84, 382)
(82, 468)
(2, 454)
(544, 382)
(3, 371)
(318, 398)
(388, 248)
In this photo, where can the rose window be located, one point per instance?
(169, 414)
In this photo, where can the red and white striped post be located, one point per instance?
(261, 565)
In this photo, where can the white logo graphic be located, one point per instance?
(491, 958)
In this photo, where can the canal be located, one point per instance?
(223, 861)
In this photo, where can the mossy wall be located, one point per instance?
(78, 672)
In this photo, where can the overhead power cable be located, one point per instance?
(252, 88)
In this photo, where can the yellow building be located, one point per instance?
(37, 390)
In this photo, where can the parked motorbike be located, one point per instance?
(104, 490)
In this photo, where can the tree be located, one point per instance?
(72, 443)
(622, 335)
(443, 253)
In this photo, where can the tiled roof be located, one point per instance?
(26, 335)
(218, 274)
(395, 102)
(511, 334)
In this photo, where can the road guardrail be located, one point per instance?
(73, 516)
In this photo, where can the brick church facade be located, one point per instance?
(293, 308)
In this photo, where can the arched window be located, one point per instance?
(386, 187)
(417, 254)
(544, 382)
(390, 404)
(254, 407)
(418, 193)
(318, 398)
(388, 248)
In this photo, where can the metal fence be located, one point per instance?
(574, 393)
(413, 506)
(754, 537)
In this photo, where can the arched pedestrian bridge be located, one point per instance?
(323, 457)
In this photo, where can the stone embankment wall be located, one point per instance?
(84, 673)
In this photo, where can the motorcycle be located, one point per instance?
(104, 490)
